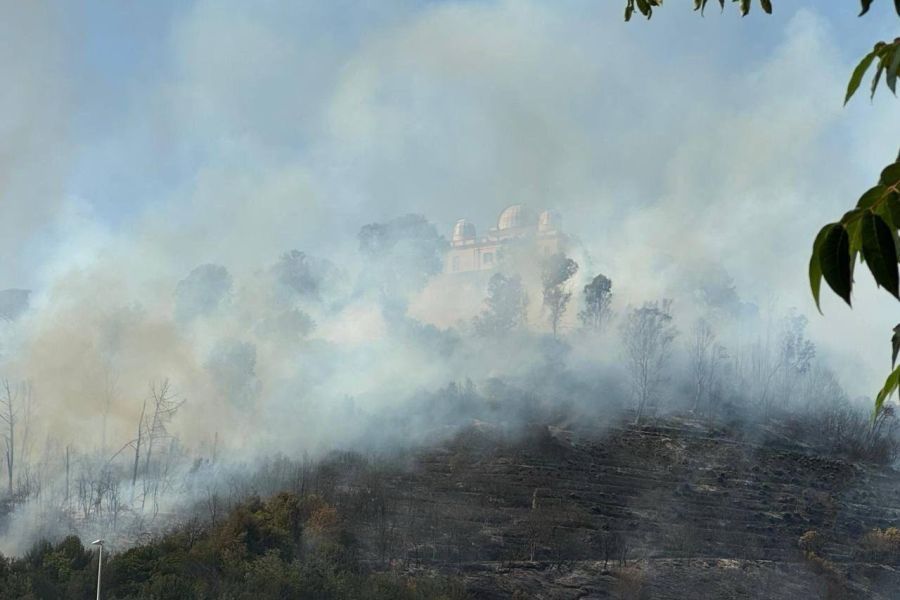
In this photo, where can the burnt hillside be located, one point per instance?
(673, 510)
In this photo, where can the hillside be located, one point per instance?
(678, 509)
(671, 510)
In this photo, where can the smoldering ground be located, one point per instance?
(154, 241)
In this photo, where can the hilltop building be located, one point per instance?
(515, 224)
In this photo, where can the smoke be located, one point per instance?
(36, 147)
(221, 251)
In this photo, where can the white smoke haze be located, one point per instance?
(683, 168)
(36, 146)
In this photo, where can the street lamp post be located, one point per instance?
(99, 563)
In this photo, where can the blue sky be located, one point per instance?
(115, 52)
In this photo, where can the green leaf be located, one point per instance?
(745, 7)
(890, 176)
(853, 215)
(865, 6)
(871, 196)
(877, 78)
(854, 230)
(890, 78)
(851, 222)
(858, 73)
(644, 7)
(891, 61)
(884, 209)
(892, 207)
(897, 6)
(767, 5)
(895, 344)
(889, 210)
(880, 253)
(890, 384)
(834, 260)
(815, 270)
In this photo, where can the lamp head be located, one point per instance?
(98, 542)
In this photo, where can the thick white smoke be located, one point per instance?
(678, 158)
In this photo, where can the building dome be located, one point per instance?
(513, 216)
(463, 231)
(548, 221)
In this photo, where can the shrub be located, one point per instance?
(812, 542)
(254, 553)
(882, 544)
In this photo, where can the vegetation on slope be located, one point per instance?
(286, 547)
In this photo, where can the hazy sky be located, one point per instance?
(149, 137)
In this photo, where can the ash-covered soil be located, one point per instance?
(675, 509)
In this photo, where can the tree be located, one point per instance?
(597, 302)
(702, 354)
(15, 421)
(136, 443)
(556, 272)
(869, 231)
(304, 275)
(648, 334)
(288, 326)
(232, 367)
(505, 306)
(164, 404)
(150, 429)
(402, 253)
(715, 380)
(8, 418)
(201, 292)
(795, 354)
(779, 360)
(797, 351)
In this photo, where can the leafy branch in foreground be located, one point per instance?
(887, 56)
(868, 232)
(645, 7)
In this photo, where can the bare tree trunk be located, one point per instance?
(648, 333)
(67, 477)
(8, 418)
(165, 405)
(137, 451)
(11, 448)
(109, 392)
(25, 409)
(704, 337)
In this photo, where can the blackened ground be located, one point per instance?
(670, 510)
